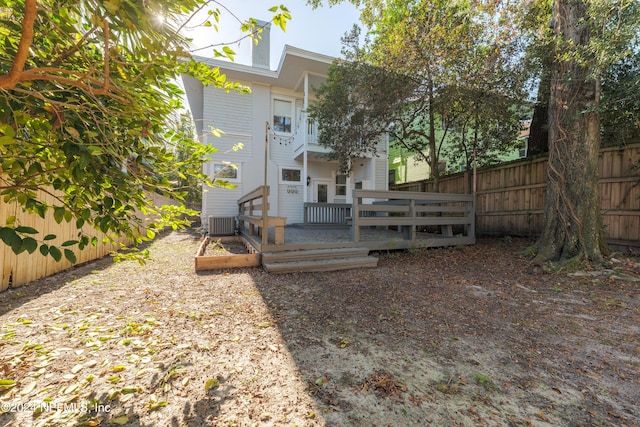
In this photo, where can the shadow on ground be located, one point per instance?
(458, 336)
(462, 336)
(13, 298)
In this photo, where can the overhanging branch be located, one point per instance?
(8, 81)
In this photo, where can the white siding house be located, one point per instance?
(297, 170)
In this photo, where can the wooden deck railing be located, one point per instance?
(327, 213)
(408, 210)
(510, 197)
(248, 207)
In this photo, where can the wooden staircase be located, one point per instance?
(317, 260)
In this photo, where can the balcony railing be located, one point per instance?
(312, 132)
(327, 213)
(310, 135)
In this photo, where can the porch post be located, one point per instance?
(265, 191)
(305, 105)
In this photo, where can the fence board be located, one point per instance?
(17, 270)
(510, 198)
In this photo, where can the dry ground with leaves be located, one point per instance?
(445, 337)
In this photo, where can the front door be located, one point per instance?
(321, 191)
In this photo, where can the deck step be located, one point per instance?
(317, 260)
(313, 254)
(322, 264)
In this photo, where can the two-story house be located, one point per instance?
(272, 127)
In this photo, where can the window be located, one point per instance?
(341, 185)
(282, 115)
(290, 176)
(522, 148)
(392, 176)
(225, 171)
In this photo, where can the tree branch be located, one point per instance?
(19, 74)
(8, 81)
(75, 47)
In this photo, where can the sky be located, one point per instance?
(316, 30)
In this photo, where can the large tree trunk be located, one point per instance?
(572, 217)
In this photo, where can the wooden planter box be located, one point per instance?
(211, 262)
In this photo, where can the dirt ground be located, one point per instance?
(471, 336)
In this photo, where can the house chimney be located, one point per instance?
(260, 52)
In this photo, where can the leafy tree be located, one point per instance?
(352, 108)
(486, 97)
(432, 62)
(619, 83)
(591, 36)
(593, 48)
(180, 137)
(621, 102)
(86, 88)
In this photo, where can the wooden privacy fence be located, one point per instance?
(20, 269)
(510, 198)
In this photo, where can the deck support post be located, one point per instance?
(412, 215)
(355, 217)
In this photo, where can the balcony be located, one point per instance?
(315, 151)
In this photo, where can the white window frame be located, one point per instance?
(295, 168)
(292, 102)
(225, 164)
(336, 185)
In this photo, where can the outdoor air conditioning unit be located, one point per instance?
(222, 226)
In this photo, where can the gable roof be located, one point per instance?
(289, 74)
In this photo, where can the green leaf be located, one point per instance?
(49, 237)
(156, 405)
(70, 243)
(26, 230)
(7, 130)
(17, 247)
(94, 150)
(6, 140)
(44, 250)
(5, 384)
(55, 253)
(58, 214)
(30, 244)
(70, 256)
(211, 383)
(122, 420)
(8, 235)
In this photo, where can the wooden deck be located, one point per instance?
(386, 220)
(299, 238)
(380, 221)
